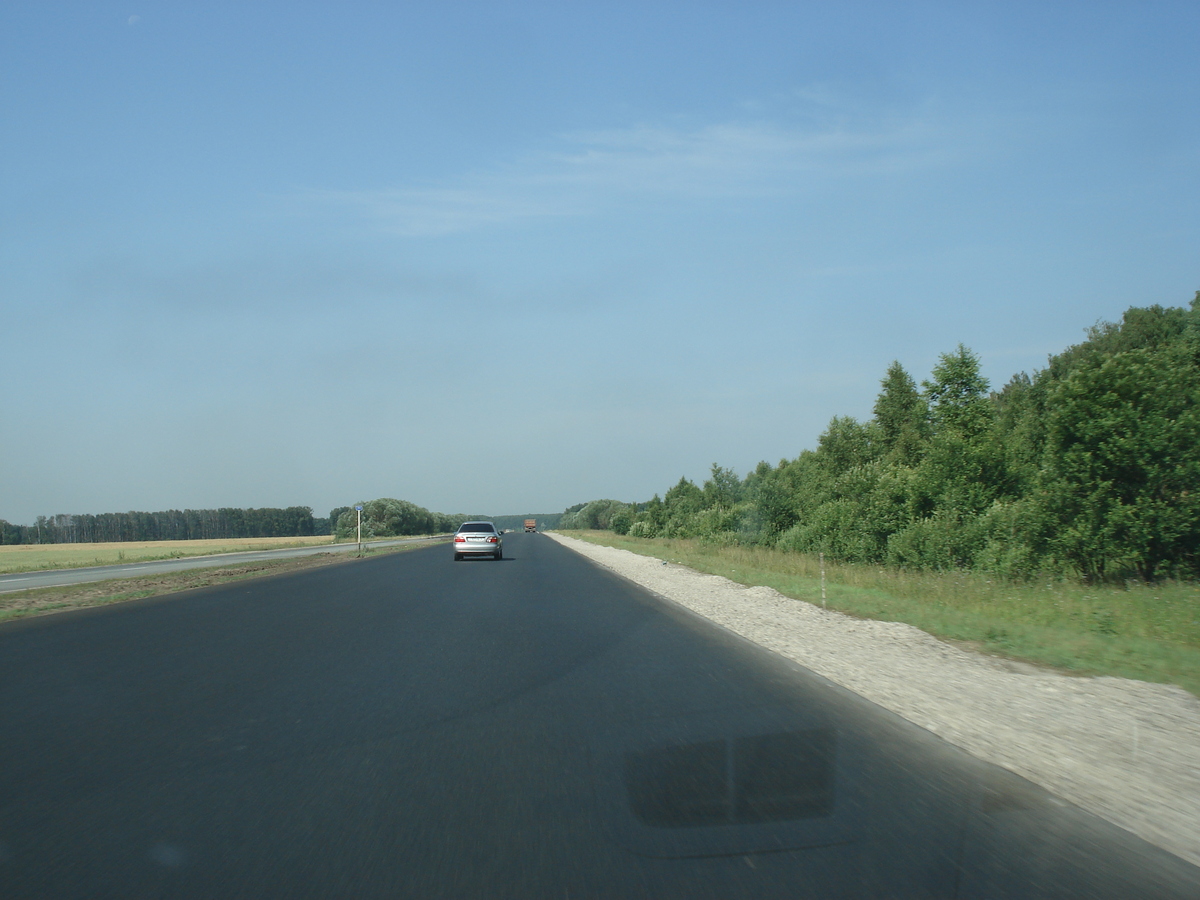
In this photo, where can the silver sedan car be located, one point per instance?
(478, 539)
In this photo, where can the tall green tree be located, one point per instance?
(846, 443)
(684, 499)
(958, 394)
(901, 415)
(775, 493)
(1122, 471)
(722, 489)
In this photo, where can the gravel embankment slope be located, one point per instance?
(1128, 751)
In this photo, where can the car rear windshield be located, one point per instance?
(476, 526)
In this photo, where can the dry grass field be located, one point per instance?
(37, 557)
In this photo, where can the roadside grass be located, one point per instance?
(16, 558)
(40, 601)
(1147, 632)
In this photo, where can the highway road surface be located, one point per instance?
(23, 581)
(410, 726)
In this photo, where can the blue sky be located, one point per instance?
(502, 258)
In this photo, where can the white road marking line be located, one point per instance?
(66, 584)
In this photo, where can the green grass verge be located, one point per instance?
(1147, 632)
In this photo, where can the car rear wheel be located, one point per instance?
(457, 557)
(499, 554)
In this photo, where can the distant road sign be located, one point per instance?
(359, 508)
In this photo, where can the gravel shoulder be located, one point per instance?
(1128, 751)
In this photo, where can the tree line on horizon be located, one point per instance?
(1088, 468)
(387, 517)
(384, 517)
(166, 525)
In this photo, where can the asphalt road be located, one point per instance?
(410, 726)
(23, 581)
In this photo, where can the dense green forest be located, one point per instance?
(168, 525)
(1090, 467)
(384, 517)
(381, 518)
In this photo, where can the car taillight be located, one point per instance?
(459, 539)
(493, 540)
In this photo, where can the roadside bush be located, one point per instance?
(834, 528)
(642, 528)
(941, 542)
(1014, 545)
(597, 514)
(719, 521)
(622, 520)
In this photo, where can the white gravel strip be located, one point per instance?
(1128, 751)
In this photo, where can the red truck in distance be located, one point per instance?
(531, 524)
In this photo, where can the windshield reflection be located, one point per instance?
(738, 781)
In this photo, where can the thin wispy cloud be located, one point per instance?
(593, 171)
(664, 221)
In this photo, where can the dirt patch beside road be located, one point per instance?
(1128, 751)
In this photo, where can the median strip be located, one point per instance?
(40, 601)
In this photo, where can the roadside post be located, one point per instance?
(359, 508)
(823, 603)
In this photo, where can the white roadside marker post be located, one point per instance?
(823, 603)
